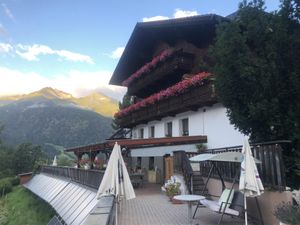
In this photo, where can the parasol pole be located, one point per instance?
(245, 207)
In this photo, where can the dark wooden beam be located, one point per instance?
(139, 143)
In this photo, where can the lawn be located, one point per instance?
(21, 207)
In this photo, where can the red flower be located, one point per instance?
(148, 66)
(175, 90)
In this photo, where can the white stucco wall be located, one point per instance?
(161, 151)
(209, 121)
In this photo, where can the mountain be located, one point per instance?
(50, 118)
(96, 102)
(108, 106)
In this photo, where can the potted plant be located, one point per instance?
(288, 214)
(201, 147)
(173, 189)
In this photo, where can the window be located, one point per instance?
(134, 134)
(151, 132)
(141, 135)
(168, 129)
(139, 163)
(184, 127)
(151, 163)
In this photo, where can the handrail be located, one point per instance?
(183, 166)
(90, 178)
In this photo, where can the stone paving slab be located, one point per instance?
(152, 207)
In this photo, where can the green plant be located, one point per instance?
(12, 180)
(288, 213)
(201, 147)
(15, 180)
(5, 186)
(3, 215)
(173, 189)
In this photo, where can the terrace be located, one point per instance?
(151, 205)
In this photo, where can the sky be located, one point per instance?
(75, 45)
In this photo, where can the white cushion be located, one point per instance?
(223, 198)
(214, 206)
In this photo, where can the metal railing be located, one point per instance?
(183, 166)
(90, 178)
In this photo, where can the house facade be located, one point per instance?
(165, 68)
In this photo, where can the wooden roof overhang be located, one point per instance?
(139, 143)
(199, 30)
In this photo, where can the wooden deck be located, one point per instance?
(152, 207)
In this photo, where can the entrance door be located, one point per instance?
(169, 169)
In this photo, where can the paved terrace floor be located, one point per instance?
(152, 207)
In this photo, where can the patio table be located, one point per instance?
(189, 199)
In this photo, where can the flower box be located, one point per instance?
(170, 71)
(195, 98)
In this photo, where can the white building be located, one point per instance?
(164, 66)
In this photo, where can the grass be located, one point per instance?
(22, 207)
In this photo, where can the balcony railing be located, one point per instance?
(271, 169)
(90, 178)
(192, 100)
(168, 73)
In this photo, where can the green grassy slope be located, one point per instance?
(21, 207)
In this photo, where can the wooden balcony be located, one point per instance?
(192, 100)
(165, 75)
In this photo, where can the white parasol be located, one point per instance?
(54, 163)
(250, 183)
(116, 179)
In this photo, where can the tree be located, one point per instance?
(64, 160)
(126, 101)
(257, 69)
(27, 157)
(1, 129)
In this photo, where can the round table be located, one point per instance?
(189, 199)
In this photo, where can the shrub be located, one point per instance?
(5, 186)
(14, 180)
(288, 213)
(3, 215)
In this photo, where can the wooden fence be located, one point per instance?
(91, 178)
(271, 168)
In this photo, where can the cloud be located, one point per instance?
(184, 13)
(6, 48)
(78, 83)
(8, 12)
(179, 13)
(72, 56)
(117, 53)
(2, 30)
(155, 18)
(32, 53)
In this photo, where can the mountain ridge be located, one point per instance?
(55, 119)
(95, 101)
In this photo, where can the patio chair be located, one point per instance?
(230, 203)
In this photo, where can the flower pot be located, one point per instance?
(175, 201)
